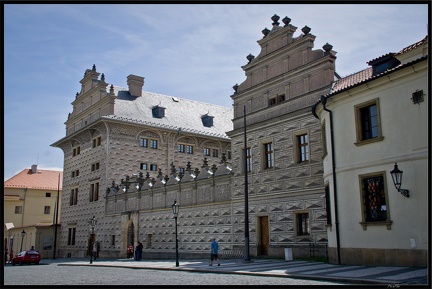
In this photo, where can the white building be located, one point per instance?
(371, 120)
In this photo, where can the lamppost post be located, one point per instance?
(23, 233)
(175, 208)
(93, 224)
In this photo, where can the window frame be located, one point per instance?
(73, 200)
(268, 155)
(181, 148)
(365, 222)
(299, 230)
(155, 166)
(189, 149)
(249, 157)
(324, 139)
(47, 210)
(153, 143)
(18, 210)
(94, 192)
(360, 140)
(76, 151)
(97, 141)
(298, 147)
(206, 151)
(71, 236)
(144, 166)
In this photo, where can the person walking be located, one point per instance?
(214, 249)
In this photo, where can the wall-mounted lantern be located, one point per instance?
(397, 180)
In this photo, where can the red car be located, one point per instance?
(28, 257)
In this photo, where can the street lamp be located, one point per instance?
(176, 208)
(93, 222)
(23, 233)
(397, 180)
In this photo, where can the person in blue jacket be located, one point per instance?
(214, 248)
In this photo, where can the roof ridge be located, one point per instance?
(180, 98)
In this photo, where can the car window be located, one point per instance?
(32, 253)
(21, 253)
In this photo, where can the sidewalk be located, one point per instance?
(277, 268)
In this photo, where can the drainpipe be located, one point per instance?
(323, 102)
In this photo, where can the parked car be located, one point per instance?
(27, 257)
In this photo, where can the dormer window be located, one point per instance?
(383, 63)
(207, 120)
(158, 111)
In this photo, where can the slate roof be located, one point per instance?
(42, 180)
(180, 114)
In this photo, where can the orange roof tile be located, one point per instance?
(42, 179)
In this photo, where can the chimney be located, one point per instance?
(34, 169)
(135, 84)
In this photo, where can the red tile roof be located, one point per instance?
(352, 80)
(366, 74)
(42, 179)
(413, 46)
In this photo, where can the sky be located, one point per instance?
(192, 51)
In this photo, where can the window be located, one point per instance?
(229, 154)
(324, 139)
(303, 148)
(248, 159)
(75, 173)
(47, 210)
(143, 166)
(277, 99)
(18, 209)
(268, 155)
(153, 144)
(95, 167)
(149, 240)
(143, 142)
(327, 202)
(97, 142)
(207, 152)
(94, 192)
(158, 111)
(71, 236)
(48, 195)
(302, 224)
(368, 122)
(374, 198)
(181, 148)
(153, 167)
(181, 170)
(189, 149)
(215, 153)
(112, 240)
(76, 151)
(73, 197)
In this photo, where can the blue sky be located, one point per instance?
(192, 51)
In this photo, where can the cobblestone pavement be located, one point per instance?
(276, 268)
(65, 273)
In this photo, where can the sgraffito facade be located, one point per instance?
(193, 152)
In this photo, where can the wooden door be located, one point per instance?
(264, 235)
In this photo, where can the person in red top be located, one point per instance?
(130, 253)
